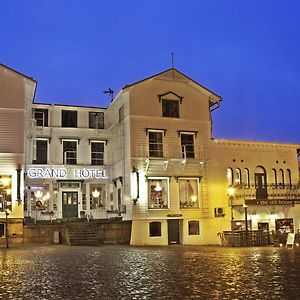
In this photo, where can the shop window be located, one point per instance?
(97, 196)
(96, 120)
(5, 193)
(97, 153)
(193, 227)
(170, 108)
(41, 116)
(40, 152)
(230, 176)
(187, 145)
(69, 118)
(70, 152)
(158, 192)
(155, 143)
(155, 229)
(188, 192)
(284, 225)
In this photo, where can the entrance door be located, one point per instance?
(261, 187)
(70, 204)
(173, 232)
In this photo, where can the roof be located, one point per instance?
(197, 83)
(4, 66)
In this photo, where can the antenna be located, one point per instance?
(109, 92)
(172, 55)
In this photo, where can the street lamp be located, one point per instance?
(246, 221)
(231, 192)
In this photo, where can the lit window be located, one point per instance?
(155, 229)
(158, 193)
(170, 108)
(187, 144)
(246, 178)
(188, 193)
(97, 196)
(155, 143)
(5, 193)
(238, 177)
(193, 227)
(97, 153)
(96, 120)
(70, 152)
(69, 118)
(230, 176)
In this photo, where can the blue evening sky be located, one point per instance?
(247, 51)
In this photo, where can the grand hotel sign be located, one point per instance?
(35, 172)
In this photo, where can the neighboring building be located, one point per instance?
(150, 158)
(16, 95)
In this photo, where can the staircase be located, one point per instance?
(82, 233)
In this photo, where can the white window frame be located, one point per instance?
(162, 132)
(63, 153)
(167, 192)
(198, 191)
(104, 150)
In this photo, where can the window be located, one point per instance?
(238, 177)
(155, 144)
(230, 176)
(158, 192)
(274, 177)
(97, 153)
(69, 118)
(40, 152)
(96, 120)
(281, 178)
(121, 113)
(188, 192)
(5, 193)
(155, 229)
(170, 108)
(41, 116)
(193, 227)
(246, 178)
(97, 196)
(288, 178)
(70, 152)
(187, 145)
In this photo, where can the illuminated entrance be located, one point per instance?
(70, 204)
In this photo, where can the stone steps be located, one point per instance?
(82, 234)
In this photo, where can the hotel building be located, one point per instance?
(150, 157)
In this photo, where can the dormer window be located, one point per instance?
(170, 104)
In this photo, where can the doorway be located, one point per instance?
(70, 204)
(173, 232)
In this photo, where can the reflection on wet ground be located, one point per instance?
(124, 272)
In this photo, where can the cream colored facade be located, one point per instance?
(150, 157)
(16, 95)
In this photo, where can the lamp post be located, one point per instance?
(246, 221)
(6, 228)
(231, 192)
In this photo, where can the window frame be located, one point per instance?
(151, 229)
(38, 151)
(185, 145)
(100, 159)
(96, 124)
(187, 205)
(66, 118)
(170, 108)
(65, 159)
(191, 231)
(160, 152)
(41, 122)
(152, 203)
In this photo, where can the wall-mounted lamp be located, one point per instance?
(95, 193)
(135, 185)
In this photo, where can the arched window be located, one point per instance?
(238, 177)
(155, 228)
(246, 178)
(230, 176)
(274, 177)
(281, 178)
(288, 178)
(193, 227)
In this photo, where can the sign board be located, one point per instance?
(290, 239)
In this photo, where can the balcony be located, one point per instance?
(271, 194)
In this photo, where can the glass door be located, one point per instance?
(70, 204)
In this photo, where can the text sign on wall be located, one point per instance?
(63, 173)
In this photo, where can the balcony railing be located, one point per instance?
(269, 192)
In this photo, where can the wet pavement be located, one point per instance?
(124, 272)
